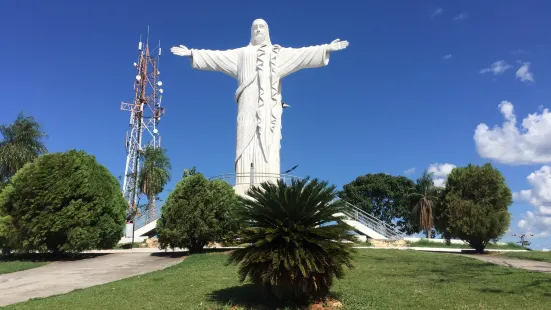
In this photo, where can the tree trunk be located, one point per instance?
(427, 233)
(151, 208)
(478, 246)
(196, 246)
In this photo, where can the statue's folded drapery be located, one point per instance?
(259, 70)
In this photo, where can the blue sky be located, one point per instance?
(408, 93)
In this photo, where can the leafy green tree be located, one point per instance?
(5, 225)
(383, 195)
(196, 212)
(21, 143)
(475, 205)
(154, 175)
(424, 199)
(294, 249)
(63, 202)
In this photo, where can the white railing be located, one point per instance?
(254, 178)
(147, 217)
(367, 219)
(352, 212)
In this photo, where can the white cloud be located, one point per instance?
(449, 56)
(440, 172)
(539, 226)
(539, 196)
(409, 171)
(497, 68)
(437, 12)
(461, 16)
(524, 74)
(529, 144)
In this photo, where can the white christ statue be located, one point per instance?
(259, 68)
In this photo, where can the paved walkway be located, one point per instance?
(531, 265)
(65, 276)
(431, 249)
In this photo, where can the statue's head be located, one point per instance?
(259, 32)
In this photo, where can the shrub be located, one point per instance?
(295, 250)
(63, 202)
(196, 212)
(475, 205)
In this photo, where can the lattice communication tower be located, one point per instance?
(145, 114)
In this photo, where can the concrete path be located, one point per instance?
(65, 276)
(431, 249)
(531, 265)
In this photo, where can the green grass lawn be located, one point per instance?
(382, 279)
(13, 266)
(431, 244)
(532, 255)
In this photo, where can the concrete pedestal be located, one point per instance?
(241, 189)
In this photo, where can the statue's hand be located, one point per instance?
(180, 50)
(337, 45)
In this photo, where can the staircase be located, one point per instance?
(362, 222)
(146, 223)
(368, 225)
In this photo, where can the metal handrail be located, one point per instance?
(372, 222)
(147, 217)
(254, 178)
(352, 211)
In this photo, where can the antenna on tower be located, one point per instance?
(145, 114)
(147, 35)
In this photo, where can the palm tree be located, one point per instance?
(21, 143)
(295, 250)
(425, 196)
(154, 175)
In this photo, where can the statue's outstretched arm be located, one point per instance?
(291, 60)
(209, 60)
(337, 45)
(180, 50)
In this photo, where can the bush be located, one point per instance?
(196, 212)
(63, 202)
(296, 247)
(475, 205)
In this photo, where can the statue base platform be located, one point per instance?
(241, 189)
(242, 182)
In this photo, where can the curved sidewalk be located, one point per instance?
(65, 276)
(525, 264)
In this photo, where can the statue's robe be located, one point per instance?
(259, 70)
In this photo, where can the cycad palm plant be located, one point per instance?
(296, 244)
(21, 143)
(154, 175)
(425, 196)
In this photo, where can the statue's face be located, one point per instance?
(259, 31)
